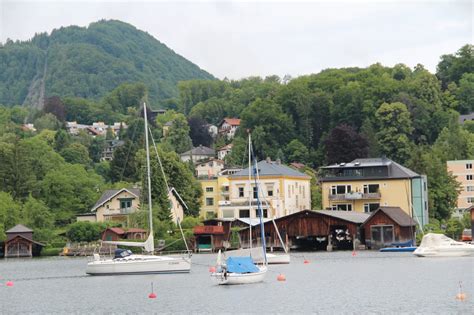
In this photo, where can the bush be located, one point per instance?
(51, 251)
(84, 232)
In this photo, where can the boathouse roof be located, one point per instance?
(19, 228)
(396, 214)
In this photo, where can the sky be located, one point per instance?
(237, 39)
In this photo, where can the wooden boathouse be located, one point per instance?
(311, 230)
(20, 243)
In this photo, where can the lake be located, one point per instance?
(337, 282)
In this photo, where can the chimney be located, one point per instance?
(268, 159)
(278, 161)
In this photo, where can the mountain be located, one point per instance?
(88, 62)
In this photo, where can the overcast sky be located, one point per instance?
(237, 39)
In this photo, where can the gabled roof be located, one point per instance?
(200, 150)
(26, 238)
(19, 228)
(209, 160)
(116, 230)
(230, 121)
(109, 194)
(396, 214)
(226, 147)
(271, 168)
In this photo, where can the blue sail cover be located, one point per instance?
(241, 265)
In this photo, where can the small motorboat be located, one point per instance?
(399, 247)
(439, 245)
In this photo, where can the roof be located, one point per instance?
(200, 150)
(226, 147)
(26, 238)
(109, 194)
(351, 216)
(269, 168)
(202, 162)
(395, 170)
(116, 230)
(396, 214)
(19, 228)
(230, 121)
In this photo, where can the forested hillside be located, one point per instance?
(89, 63)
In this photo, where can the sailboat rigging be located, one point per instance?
(125, 262)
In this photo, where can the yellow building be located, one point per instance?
(215, 193)
(364, 185)
(464, 172)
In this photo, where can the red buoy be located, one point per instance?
(9, 284)
(306, 261)
(281, 277)
(212, 269)
(354, 253)
(152, 295)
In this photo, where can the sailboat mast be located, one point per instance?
(147, 149)
(250, 197)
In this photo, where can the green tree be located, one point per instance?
(47, 121)
(452, 67)
(394, 130)
(76, 153)
(84, 232)
(178, 134)
(9, 213)
(465, 93)
(36, 214)
(61, 140)
(297, 151)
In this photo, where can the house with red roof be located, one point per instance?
(228, 127)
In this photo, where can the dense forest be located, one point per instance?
(408, 115)
(89, 63)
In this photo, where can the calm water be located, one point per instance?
(336, 282)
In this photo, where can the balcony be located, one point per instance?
(355, 196)
(126, 210)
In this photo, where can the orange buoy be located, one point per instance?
(460, 296)
(306, 261)
(281, 277)
(9, 284)
(152, 295)
(212, 269)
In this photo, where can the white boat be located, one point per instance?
(256, 254)
(439, 245)
(243, 269)
(125, 262)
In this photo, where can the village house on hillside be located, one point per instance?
(209, 168)
(198, 154)
(364, 185)
(223, 151)
(463, 170)
(228, 127)
(109, 149)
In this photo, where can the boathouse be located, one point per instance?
(117, 233)
(20, 243)
(311, 230)
(388, 225)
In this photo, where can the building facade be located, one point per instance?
(464, 173)
(228, 127)
(198, 154)
(283, 191)
(209, 169)
(364, 185)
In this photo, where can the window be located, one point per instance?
(340, 189)
(371, 207)
(289, 191)
(469, 166)
(469, 188)
(209, 201)
(227, 213)
(270, 192)
(264, 213)
(125, 203)
(241, 191)
(209, 189)
(469, 177)
(255, 192)
(371, 188)
(342, 206)
(470, 199)
(244, 213)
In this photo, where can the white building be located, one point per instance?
(228, 127)
(210, 168)
(222, 152)
(198, 154)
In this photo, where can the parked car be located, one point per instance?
(466, 235)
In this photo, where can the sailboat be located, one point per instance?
(243, 269)
(255, 253)
(124, 261)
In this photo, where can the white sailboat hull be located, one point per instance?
(257, 256)
(139, 264)
(239, 278)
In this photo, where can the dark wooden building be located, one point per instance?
(388, 225)
(209, 237)
(116, 233)
(311, 230)
(20, 243)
